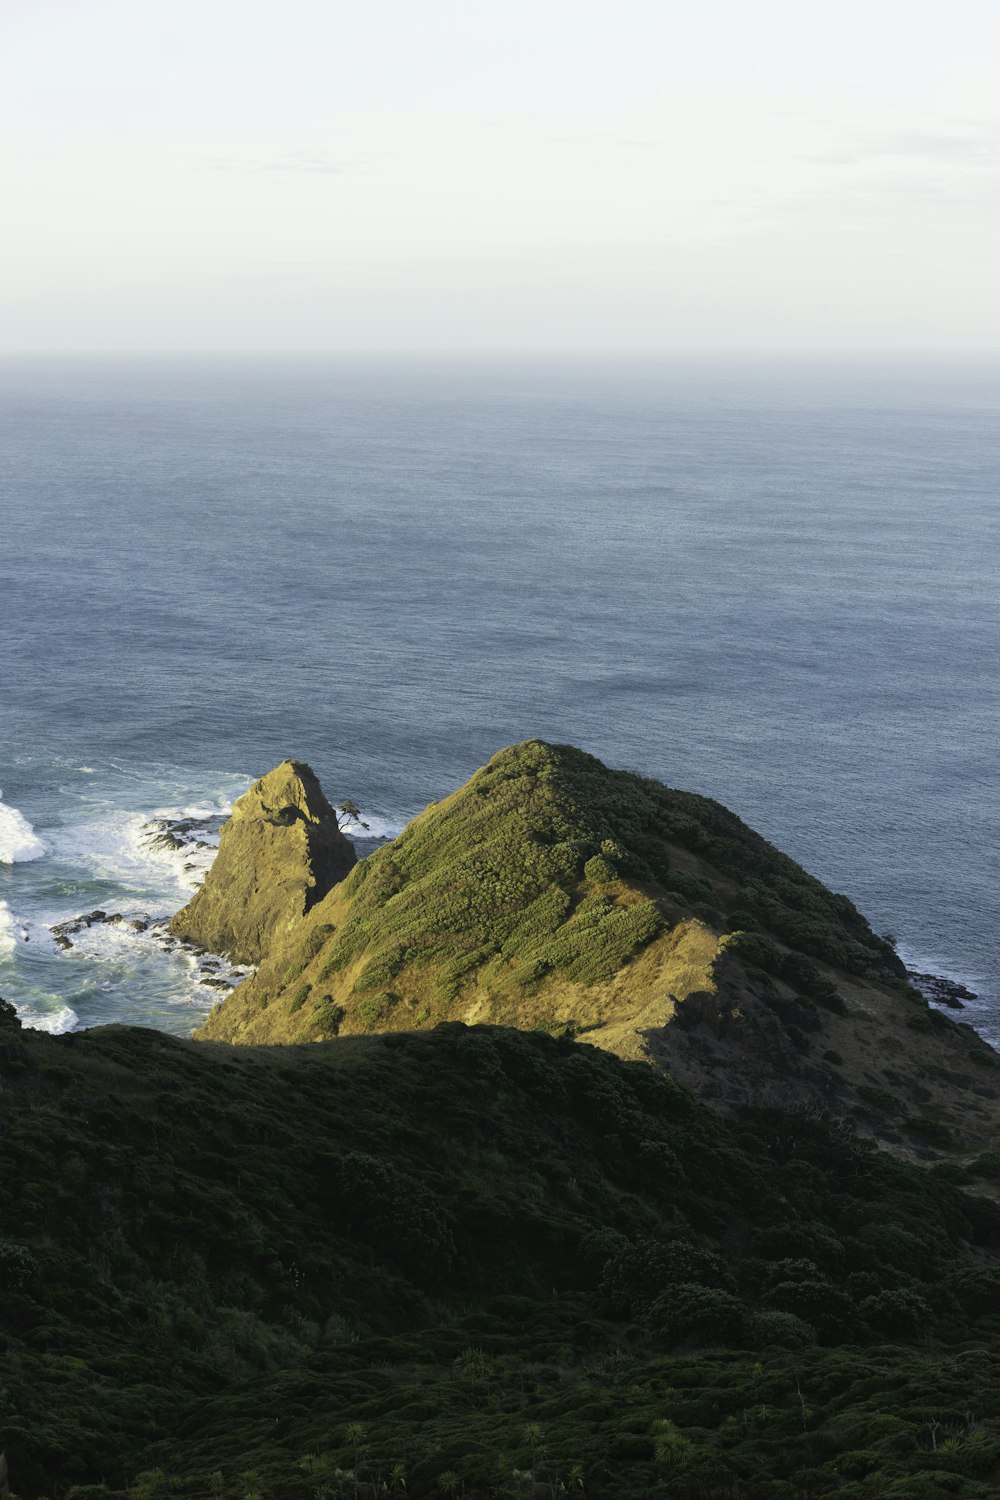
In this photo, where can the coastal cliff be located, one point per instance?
(280, 852)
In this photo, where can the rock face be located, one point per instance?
(279, 854)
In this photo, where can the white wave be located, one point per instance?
(128, 849)
(14, 930)
(370, 826)
(126, 937)
(182, 841)
(110, 940)
(8, 931)
(196, 810)
(18, 840)
(63, 1018)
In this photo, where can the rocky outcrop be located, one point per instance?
(554, 893)
(280, 852)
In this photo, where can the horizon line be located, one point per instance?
(270, 352)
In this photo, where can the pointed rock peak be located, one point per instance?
(281, 852)
(288, 793)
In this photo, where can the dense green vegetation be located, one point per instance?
(517, 866)
(546, 868)
(476, 1262)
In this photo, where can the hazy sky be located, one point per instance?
(559, 174)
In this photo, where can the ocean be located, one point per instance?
(772, 582)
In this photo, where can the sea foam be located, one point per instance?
(168, 852)
(8, 931)
(18, 840)
(61, 1019)
(371, 827)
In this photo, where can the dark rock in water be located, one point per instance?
(281, 852)
(941, 991)
(214, 983)
(62, 932)
(182, 833)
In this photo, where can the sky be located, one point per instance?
(561, 175)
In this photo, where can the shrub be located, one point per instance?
(692, 1313)
(374, 1010)
(386, 1207)
(758, 951)
(933, 1131)
(800, 1013)
(761, 1330)
(635, 1275)
(599, 871)
(816, 1301)
(805, 1241)
(18, 1266)
(317, 939)
(898, 1312)
(802, 974)
(327, 1016)
(877, 1097)
(693, 888)
(977, 1289)
(299, 998)
(381, 970)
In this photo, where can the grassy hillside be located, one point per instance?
(331, 1271)
(553, 893)
(547, 873)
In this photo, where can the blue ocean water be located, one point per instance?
(775, 584)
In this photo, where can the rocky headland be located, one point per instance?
(553, 893)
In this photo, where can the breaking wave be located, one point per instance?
(18, 840)
(8, 929)
(61, 1019)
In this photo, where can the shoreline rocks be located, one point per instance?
(941, 991)
(214, 973)
(64, 932)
